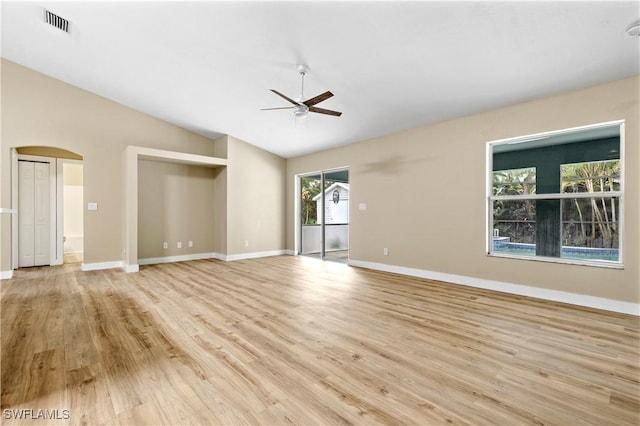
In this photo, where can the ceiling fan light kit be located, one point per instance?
(300, 114)
(301, 108)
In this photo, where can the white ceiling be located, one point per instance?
(208, 66)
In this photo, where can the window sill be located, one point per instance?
(595, 263)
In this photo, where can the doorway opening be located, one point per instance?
(38, 198)
(324, 215)
(72, 211)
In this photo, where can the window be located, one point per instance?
(557, 196)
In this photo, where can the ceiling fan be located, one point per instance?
(302, 108)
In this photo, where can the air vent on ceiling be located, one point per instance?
(57, 21)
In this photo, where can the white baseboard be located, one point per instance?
(254, 255)
(100, 265)
(199, 256)
(521, 290)
(180, 258)
(130, 268)
(6, 275)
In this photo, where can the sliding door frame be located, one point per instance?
(298, 208)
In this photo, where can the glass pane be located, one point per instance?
(585, 162)
(590, 228)
(514, 181)
(514, 227)
(595, 176)
(336, 215)
(310, 212)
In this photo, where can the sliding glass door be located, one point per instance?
(310, 215)
(324, 215)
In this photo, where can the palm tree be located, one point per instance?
(310, 188)
(597, 176)
(514, 214)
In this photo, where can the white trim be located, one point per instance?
(59, 211)
(297, 240)
(131, 156)
(557, 196)
(613, 264)
(254, 255)
(130, 268)
(14, 207)
(53, 197)
(101, 265)
(621, 214)
(6, 275)
(297, 234)
(53, 215)
(180, 258)
(521, 290)
(153, 154)
(544, 135)
(212, 255)
(9, 211)
(561, 196)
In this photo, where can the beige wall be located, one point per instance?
(72, 174)
(220, 191)
(404, 178)
(41, 111)
(176, 203)
(425, 192)
(255, 199)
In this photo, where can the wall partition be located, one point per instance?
(323, 215)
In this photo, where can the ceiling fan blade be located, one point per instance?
(285, 97)
(267, 109)
(326, 95)
(325, 111)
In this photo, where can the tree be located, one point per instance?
(310, 187)
(515, 219)
(592, 177)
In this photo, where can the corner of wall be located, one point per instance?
(220, 146)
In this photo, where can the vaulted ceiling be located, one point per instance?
(391, 65)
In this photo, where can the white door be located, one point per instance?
(34, 219)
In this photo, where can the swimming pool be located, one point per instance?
(567, 252)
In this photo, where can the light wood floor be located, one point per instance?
(293, 340)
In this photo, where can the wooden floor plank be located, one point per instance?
(293, 340)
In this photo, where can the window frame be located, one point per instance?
(490, 198)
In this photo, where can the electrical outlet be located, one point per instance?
(165, 245)
(190, 244)
(385, 251)
(179, 244)
(246, 243)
